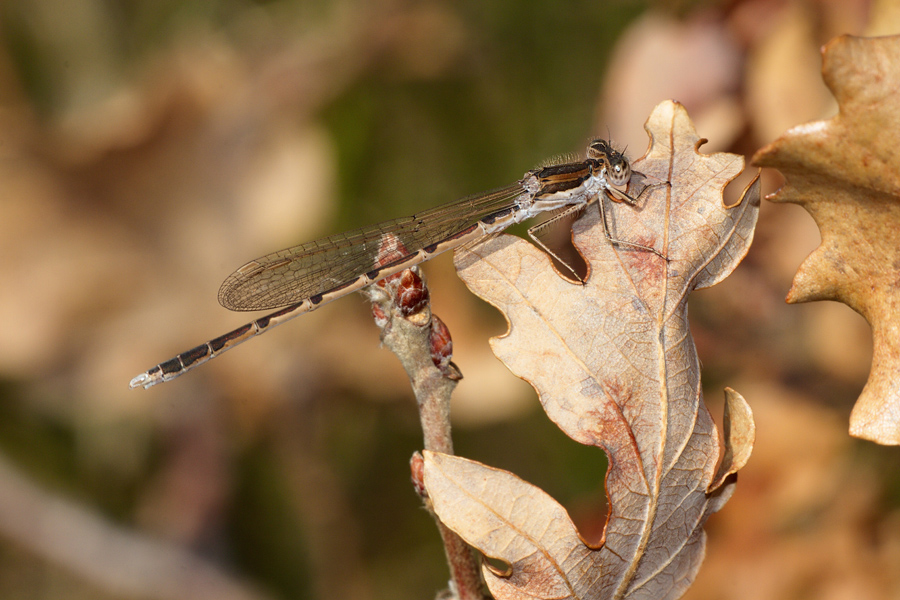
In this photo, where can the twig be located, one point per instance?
(422, 342)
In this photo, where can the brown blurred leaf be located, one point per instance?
(846, 173)
(615, 367)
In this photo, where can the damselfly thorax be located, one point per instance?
(300, 279)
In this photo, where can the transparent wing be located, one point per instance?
(290, 276)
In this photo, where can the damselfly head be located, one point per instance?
(618, 169)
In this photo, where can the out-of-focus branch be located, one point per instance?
(125, 563)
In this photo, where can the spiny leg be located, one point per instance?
(533, 231)
(629, 200)
(632, 201)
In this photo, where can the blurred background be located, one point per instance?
(148, 148)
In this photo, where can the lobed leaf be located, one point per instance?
(846, 173)
(615, 367)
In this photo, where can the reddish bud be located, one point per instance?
(411, 294)
(442, 349)
(417, 471)
(381, 318)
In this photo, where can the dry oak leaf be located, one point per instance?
(846, 173)
(615, 367)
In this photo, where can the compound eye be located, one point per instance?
(620, 173)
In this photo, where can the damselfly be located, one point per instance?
(300, 279)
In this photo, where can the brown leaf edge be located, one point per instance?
(852, 156)
(739, 433)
